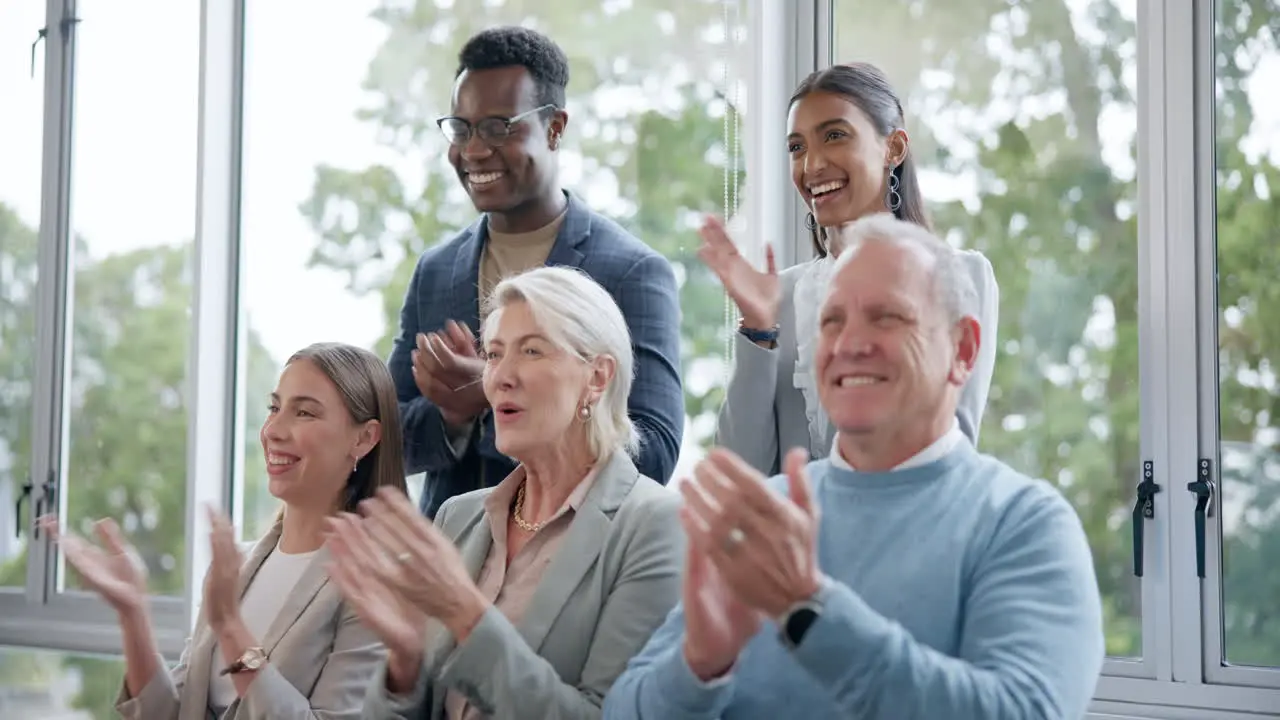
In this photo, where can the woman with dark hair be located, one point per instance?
(850, 158)
(274, 637)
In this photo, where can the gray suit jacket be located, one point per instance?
(764, 415)
(320, 659)
(613, 580)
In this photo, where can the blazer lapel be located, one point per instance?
(579, 549)
(474, 550)
(463, 294)
(309, 585)
(575, 229)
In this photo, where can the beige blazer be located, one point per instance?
(320, 658)
(614, 578)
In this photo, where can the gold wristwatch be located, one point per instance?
(252, 659)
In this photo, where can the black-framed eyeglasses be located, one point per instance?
(494, 131)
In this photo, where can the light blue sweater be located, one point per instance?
(962, 590)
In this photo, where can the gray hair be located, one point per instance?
(953, 286)
(581, 317)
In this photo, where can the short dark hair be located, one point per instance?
(867, 87)
(508, 45)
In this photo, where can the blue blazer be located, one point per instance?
(444, 287)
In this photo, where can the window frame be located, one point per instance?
(1205, 433)
(75, 621)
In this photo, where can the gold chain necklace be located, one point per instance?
(523, 524)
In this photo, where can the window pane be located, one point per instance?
(40, 685)
(346, 181)
(132, 218)
(1248, 178)
(1023, 125)
(21, 124)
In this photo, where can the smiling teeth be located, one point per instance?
(826, 187)
(855, 380)
(278, 460)
(483, 178)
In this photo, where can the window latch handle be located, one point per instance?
(1204, 491)
(23, 496)
(1143, 509)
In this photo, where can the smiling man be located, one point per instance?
(904, 577)
(505, 130)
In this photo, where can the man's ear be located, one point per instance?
(966, 337)
(556, 127)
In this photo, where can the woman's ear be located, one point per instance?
(897, 145)
(367, 438)
(603, 368)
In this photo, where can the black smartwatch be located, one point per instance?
(756, 335)
(795, 623)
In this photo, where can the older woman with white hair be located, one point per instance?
(562, 570)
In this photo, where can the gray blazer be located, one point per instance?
(613, 580)
(764, 413)
(320, 659)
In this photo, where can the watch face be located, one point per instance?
(254, 658)
(799, 623)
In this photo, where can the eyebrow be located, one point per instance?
(297, 399)
(823, 126)
(522, 338)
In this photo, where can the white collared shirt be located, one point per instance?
(936, 450)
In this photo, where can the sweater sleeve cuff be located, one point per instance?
(687, 695)
(847, 628)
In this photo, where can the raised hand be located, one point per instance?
(763, 543)
(447, 369)
(717, 625)
(222, 581)
(114, 571)
(354, 557)
(756, 293)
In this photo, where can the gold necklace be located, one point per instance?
(523, 524)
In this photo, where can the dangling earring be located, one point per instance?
(892, 199)
(584, 412)
(810, 221)
(355, 466)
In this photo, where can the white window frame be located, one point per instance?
(1206, 434)
(41, 616)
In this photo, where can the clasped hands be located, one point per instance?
(447, 368)
(397, 569)
(752, 555)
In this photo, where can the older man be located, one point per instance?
(937, 583)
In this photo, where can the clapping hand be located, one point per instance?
(355, 558)
(763, 543)
(757, 294)
(446, 368)
(222, 581)
(114, 570)
(422, 565)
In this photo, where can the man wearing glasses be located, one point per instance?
(504, 131)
